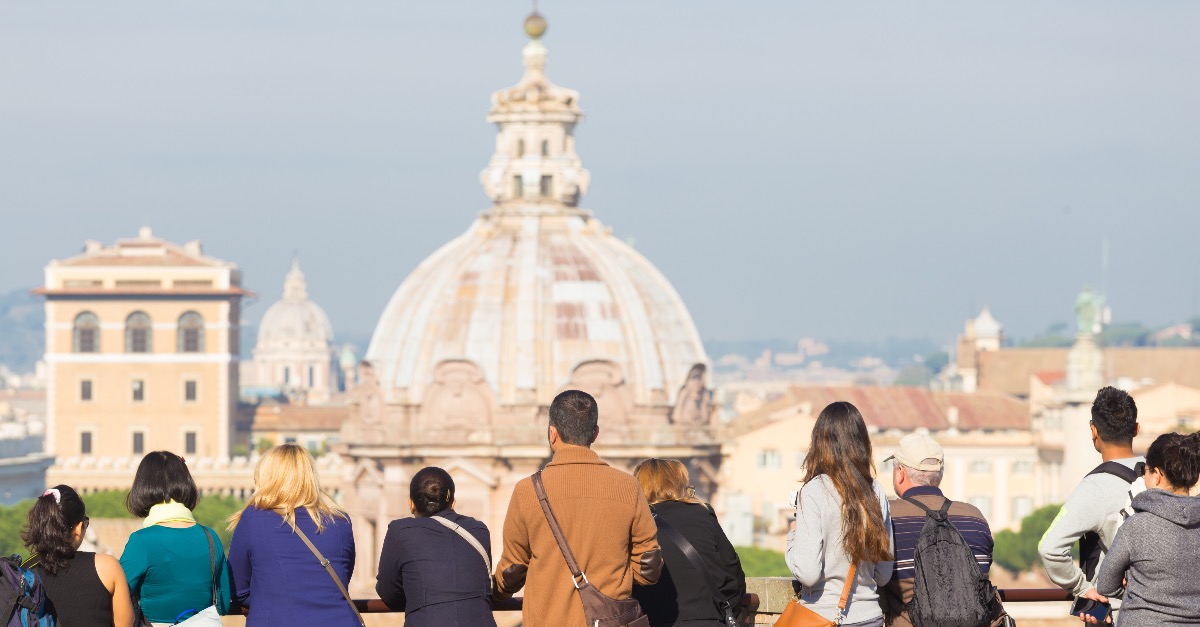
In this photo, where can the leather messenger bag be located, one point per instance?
(600, 610)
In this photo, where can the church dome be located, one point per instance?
(537, 294)
(294, 323)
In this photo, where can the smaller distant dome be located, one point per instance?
(294, 322)
(348, 358)
(986, 325)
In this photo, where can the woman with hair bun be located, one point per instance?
(842, 540)
(175, 566)
(437, 565)
(1155, 551)
(84, 588)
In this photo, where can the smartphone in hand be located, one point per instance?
(1091, 607)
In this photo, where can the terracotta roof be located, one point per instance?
(1050, 377)
(300, 417)
(902, 408)
(1009, 370)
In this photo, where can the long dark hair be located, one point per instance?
(50, 530)
(841, 450)
(1177, 457)
(431, 491)
(162, 476)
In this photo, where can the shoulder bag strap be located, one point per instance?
(845, 598)
(466, 535)
(332, 575)
(212, 564)
(540, 489)
(666, 530)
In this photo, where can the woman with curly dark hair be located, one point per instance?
(842, 540)
(84, 588)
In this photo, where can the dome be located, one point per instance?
(528, 300)
(986, 325)
(294, 322)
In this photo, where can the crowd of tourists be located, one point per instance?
(591, 545)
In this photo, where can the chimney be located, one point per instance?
(193, 248)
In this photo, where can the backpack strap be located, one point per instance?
(665, 530)
(941, 512)
(1116, 469)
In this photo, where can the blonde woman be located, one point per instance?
(683, 595)
(274, 572)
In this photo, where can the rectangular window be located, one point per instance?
(289, 440)
(85, 390)
(770, 459)
(980, 466)
(517, 191)
(287, 375)
(139, 390)
(189, 391)
(189, 442)
(1022, 506)
(983, 503)
(85, 443)
(310, 376)
(1022, 467)
(191, 340)
(139, 442)
(87, 341)
(546, 186)
(138, 341)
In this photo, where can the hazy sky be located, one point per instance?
(836, 169)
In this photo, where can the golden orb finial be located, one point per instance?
(535, 25)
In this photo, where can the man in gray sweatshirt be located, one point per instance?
(1095, 504)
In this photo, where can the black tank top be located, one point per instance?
(79, 597)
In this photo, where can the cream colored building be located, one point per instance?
(995, 458)
(536, 297)
(141, 351)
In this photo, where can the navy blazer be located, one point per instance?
(434, 574)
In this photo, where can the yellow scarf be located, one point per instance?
(170, 511)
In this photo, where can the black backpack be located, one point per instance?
(949, 589)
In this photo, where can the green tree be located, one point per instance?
(914, 375)
(1017, 551)
(758, 562)
(264, 444)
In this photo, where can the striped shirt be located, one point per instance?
(907, 522)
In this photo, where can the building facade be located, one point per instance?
(141, 352)
(535, 298)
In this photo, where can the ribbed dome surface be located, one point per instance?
(528, 298)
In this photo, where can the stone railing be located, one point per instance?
(765, 599)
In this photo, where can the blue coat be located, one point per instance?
(434, 574)
(281, 580)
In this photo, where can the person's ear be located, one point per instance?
(412, 507)
(1137, 429)
(595, 434)
(553, 435)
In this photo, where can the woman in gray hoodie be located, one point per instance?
(1153, 557)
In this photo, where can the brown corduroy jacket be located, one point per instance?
(607, 523)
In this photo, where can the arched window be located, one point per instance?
(520, 148)
(545, 148)
(190, 334)
(86, 333)
(137, 333)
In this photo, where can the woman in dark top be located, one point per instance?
(85, 589)
(682, 595)
(427, 568)
(271, 570)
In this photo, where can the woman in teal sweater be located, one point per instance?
(175, 566)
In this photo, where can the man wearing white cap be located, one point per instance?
(918, 466)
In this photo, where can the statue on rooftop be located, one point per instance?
(1089, 308)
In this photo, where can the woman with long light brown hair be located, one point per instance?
(843, 530)
(292, 550)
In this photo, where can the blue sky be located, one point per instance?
(839, 170)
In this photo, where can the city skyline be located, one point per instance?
(941, 166)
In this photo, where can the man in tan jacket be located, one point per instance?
(603, 515)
